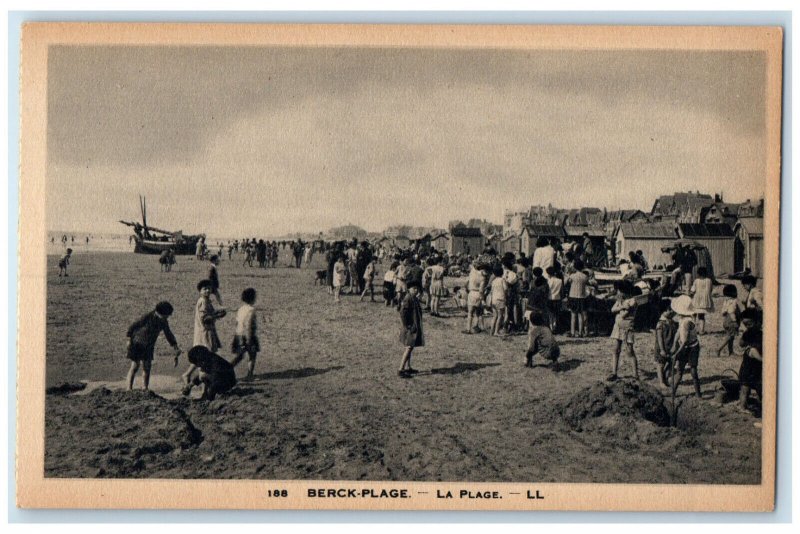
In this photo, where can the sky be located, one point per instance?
(234, 141)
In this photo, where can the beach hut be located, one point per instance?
(650, 238)
(717, 238)
(510, 243)
(748, 245)
(440, 241)
(597, 236)
(402, 241)
(465, 240)
(532, 232)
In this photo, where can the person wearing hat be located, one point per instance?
(411, 327)
(686, 350)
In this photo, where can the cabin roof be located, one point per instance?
(465, 232)
(578, 231)
(647, 231)
(753, 225)
(547, 230)
(707, 230)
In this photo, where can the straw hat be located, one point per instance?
(682, 305)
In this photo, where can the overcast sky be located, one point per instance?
(264, 141)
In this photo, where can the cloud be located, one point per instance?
(273, 141)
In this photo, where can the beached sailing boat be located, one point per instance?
(151, 240)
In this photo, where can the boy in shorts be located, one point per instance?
(246, 341)
(142, 336)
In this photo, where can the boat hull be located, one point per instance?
(186, 247)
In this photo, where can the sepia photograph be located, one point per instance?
(439, 263)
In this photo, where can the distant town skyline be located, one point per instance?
(276, 141)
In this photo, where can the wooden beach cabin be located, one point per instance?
(748, 245)
(650, 238)
(597, 236)
(465, 240)
(440, 241)
(718, 238)
(402, 241)
(510, 243)
(532, 232)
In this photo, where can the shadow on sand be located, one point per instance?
(567, 365)
(461, 367)
(304, 372)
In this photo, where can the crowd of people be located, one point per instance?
(521, 295)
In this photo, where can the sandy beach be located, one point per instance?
(327, 403)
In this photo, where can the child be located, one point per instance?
(369, 276)
(339, 278)
(411, 327)
(538, 298)
(213, 277)
(437, 289)
(750, 370)
(216, 374)
(701, 298)
(142, 336)
(541, 341)
(163, 259)
(64, 262)
(246, 341)
(622, 333)
(730, 317)
(388, 284)
(665, 338)
(460, 296)
(205, 318)
(476, 292)
(498, 291)
(753, 299)
(556, 287)
(400, 279)
(687, 347)
(577, 299)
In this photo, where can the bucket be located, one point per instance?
(731, 386)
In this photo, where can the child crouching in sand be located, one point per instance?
(142, 336)
(541, 341)
(246, 341)
(216, 373)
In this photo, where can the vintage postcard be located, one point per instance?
(398, 267)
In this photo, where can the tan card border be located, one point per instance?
(34, 491)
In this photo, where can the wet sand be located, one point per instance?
(327, 403)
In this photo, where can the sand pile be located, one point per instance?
(627, 410)
(116, 434)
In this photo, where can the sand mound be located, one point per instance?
(626, 401)
(66, 388)
(115, 434)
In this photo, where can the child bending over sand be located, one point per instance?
(216, 373)
(541, 341)
(142, 336)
